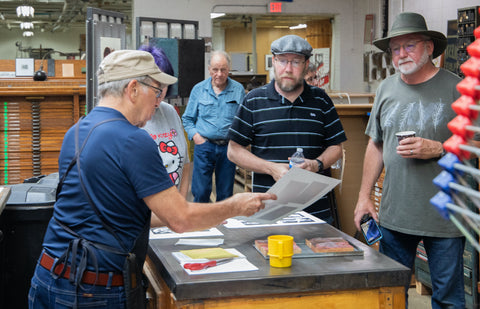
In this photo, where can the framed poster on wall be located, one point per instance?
(24, 66)
(321, 59)
(268, 62)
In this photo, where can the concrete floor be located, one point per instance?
(417, 301)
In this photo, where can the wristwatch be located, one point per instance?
(320, 165)
(444, 152)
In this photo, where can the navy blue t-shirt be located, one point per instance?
(120, 166)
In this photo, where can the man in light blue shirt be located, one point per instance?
(211, 107)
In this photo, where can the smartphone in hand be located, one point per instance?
(370, 230)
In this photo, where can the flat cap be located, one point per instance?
(291, 44)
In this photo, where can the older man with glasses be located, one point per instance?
(209, 113)
(417, 99)
(111, 180)
(282, 116)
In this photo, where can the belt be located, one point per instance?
(219, 142)
(89, 277)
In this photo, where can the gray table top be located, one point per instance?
(370, 270)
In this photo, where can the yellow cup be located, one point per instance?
(280, 250)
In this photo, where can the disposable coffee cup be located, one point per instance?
(404, 134)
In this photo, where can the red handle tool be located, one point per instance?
(200, 266)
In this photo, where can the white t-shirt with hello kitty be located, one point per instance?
(166, 129)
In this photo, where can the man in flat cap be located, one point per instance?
(111, 179)
(282, 116)
(417, 98)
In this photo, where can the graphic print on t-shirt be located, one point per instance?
(171, 159)
(416, 116)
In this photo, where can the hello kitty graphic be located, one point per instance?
(171, 159)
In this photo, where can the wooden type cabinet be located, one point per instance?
(36, 116)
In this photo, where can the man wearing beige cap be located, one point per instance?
(282, 116)
(418, 99)
(111, 179)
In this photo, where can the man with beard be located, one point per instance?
(417, 99)
(282, 116)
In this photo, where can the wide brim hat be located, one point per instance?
(124, 64)
(413, 23)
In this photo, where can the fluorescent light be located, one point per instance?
(26, 25)
(25, 11)
(216, 15)
(299, 26)
(27, 33)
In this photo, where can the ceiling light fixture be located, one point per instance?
(299, 26)
(27, 33)
(26, 25)
(25, 11)
(216, 15)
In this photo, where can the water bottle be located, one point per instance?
(337, 164)
(297, 158)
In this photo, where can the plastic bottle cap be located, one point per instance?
(300, 149)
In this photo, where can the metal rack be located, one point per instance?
(459, 198)
(457, 201)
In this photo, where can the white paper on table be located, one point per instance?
(203, 242)
(164, 233)
(240, 263)
(296, 190)
(296, 218)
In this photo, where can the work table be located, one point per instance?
(370, 271)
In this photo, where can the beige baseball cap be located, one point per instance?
(123, 64)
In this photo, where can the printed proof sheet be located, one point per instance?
(295, 191)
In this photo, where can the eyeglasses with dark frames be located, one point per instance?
(409, 47)
(157, 94)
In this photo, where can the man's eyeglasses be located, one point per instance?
(295, 62)
(408, 47)
(158, 91)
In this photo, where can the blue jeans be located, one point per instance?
(48, 292)
(445, 260)
(208, 158)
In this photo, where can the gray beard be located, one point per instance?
(421, 62)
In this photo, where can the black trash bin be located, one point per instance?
(23, 223)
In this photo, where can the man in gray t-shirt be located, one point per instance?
(417, 99)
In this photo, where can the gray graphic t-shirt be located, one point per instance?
(426, 109)
(166, 129)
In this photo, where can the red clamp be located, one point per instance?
(458, 126)
(453, 145)
(471, 67)
(474, 48)
(468, 87)
(462, 106)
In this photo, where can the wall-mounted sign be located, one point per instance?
(275, 7)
